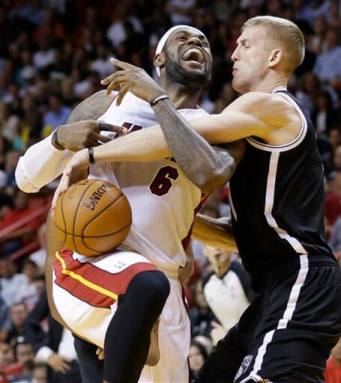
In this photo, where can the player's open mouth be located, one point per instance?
(194, 54)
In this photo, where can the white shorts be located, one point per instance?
(85, 292)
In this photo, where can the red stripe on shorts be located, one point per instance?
(117, 283)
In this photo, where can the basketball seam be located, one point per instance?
(90, 248)
(100, 212)
(75, 216)
(94, 236)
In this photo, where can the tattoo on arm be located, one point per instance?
(207, 166)
(92, 107)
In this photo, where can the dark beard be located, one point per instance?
(180, 75)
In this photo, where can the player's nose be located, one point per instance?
(235, 55)
(195, 40)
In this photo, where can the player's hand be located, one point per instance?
(130, 78)
(82, 134)
(58, 364)
(77, 169)
(100, 353)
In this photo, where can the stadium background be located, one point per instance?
(53, 54)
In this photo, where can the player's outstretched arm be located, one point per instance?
(215, 232)
(46, 160)
(254, 114)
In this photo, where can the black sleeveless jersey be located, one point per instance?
(277, 198)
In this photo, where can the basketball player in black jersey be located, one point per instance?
(277, 195)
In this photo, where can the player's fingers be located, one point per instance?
(112, 77)
(123, 91)
(114, 85)
(100, 138)
(117, 83)
(64, 366)
(105, 127)
(121, 64)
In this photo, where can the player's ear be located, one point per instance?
(275, 57)
(159, 60)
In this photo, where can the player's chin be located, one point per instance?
(238, 85)
(195, 72)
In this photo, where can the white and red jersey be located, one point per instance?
(162, 198)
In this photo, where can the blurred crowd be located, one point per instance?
(53, 54)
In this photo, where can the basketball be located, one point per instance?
(92, 217)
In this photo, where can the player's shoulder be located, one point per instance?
(253, 100)
(92, 107)
(267, 105)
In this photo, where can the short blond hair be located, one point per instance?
(287, 33)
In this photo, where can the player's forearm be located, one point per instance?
(150, 144)
(40, 165)
(206, 166)
(214, 233)
(142, 146)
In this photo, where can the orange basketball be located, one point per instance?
(92, 217)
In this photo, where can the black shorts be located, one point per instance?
(287, 333)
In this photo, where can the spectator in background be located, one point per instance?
(17, 313)
(12, 284)
(200, 314)
(57, 113)
(181, 11)
(55, 348)
(102, 64)
(9, 122)
(25, 359)
(40, 373)
(45, 55)
(35, 283)
(227, 290)
(324, 115)
(21, 370)
(6, 355)
(197, 357)
(327, 66)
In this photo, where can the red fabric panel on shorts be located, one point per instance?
(116, 283)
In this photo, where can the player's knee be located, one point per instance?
(152, 286)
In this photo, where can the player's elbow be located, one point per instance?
(23, 182)
(217, 177)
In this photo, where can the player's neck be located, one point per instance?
(271, 84)
(182, 97)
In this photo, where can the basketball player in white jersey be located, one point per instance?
(114, 300)
(287, 333)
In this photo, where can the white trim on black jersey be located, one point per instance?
(290, 145)
(269, 202)
(283, 322)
